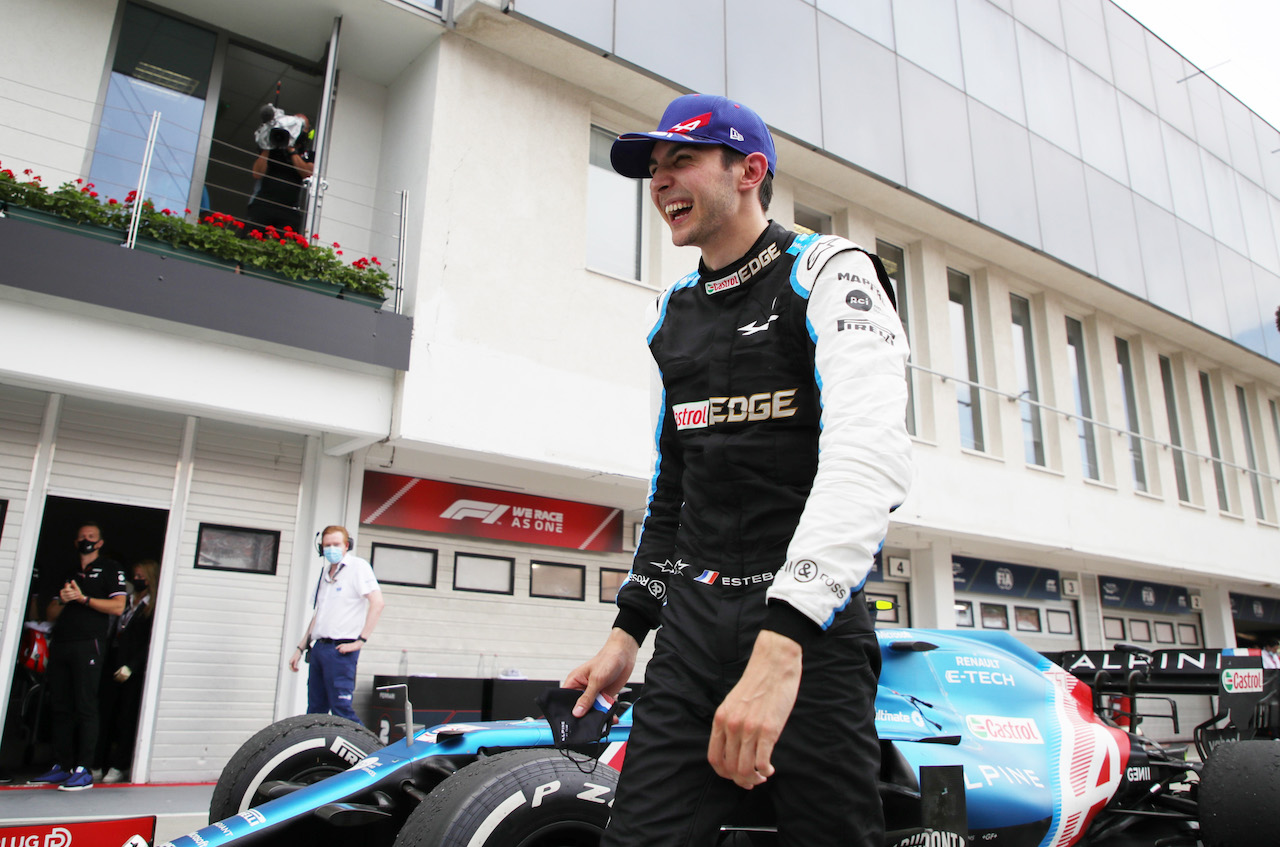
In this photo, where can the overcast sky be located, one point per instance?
(1238, 36)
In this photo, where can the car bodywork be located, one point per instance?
(1022, 735)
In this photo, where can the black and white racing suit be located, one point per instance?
(781, 449)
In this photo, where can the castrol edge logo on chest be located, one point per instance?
(744, 273)
(766, 405)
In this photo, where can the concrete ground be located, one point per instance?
(178, 809)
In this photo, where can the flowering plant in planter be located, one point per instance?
(285, 252)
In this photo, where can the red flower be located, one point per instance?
(79, 181)
(336, 245)
(113, 202)
(284, 241)
(93, 194)
(339, 252)
(165, 212)
(256, 234)
(375, 261)
(187, 212)
(314, 236)
(27, 172)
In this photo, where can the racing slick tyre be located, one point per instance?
(302, 749)
(1240, 794)
(525, 798)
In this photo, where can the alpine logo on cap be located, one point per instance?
(692, 124)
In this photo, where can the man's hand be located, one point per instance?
(293, 660)
(350, 646)
(70, 593)
(122, 673)
(751, 718)
(608, 671)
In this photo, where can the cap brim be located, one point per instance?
(632, 150)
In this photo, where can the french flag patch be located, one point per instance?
(707, 577)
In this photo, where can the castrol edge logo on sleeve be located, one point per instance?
(757, 407)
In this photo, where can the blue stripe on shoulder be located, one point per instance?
(797, 248)
(686, 282)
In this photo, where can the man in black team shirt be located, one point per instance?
(81, 612)
(781, 449)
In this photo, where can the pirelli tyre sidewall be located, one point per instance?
(305, 748)
(525, 798)
(1240, 794)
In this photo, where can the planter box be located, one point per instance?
(36, 216)
(374, 300)
(186, 254)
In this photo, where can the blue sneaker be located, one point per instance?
(79, 780)
(55, 776)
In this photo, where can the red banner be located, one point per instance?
(431, 506)
(85, 834)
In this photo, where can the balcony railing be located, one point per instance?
(105, 164)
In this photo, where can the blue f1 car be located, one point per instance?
(983, 741)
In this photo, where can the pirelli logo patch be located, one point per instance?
(884, 335)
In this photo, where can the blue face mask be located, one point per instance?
(334, 554)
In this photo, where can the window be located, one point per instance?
(161, 65)
(1275, 419)
(1026, 618)
(611, 580)
(1124, 370)
(811, 221)
(486, 574)
(1140, 630)
(1175, 434)
(1164, 632)
(1024, 363)
(396, 565)
(1059, 622)
(1113, 628)
(885, 615)
(614, 207)
(1211, 423)
(892, 258)
(237, 548)
(562, 582)
(964, 351)
(1250, 454)
(995, 616)
(964, 613)
(1188, 635)
(1084, 406)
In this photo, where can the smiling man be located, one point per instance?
(781, 448)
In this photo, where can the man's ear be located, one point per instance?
(754, 169)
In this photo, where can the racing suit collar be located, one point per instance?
(772, 243)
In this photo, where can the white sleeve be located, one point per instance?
(864, 452)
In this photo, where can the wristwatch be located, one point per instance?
(362, 638)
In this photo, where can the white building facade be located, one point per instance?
(1083, 230)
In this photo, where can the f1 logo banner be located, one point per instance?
(431, 506)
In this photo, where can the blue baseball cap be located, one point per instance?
(695, 119)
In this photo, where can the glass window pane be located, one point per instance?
(488, 574)
(889, 615)
(811, 220)
(1124, 370)
(404, 565)
(1140, 630)
(895, 265)
(614, 204)
(995, 616)
(964, 613)
(1175, 434)
(1250, 454)
(1211, 423)
(611, 580)
(161, 65)
(1164, 632)
(1113, 629)
(1024, 363)
(965, 358)
(1026, 618)
(1084, 405)
(563, 582)
(1188, 635)
(1059, 622)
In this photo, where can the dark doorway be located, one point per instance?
(131, 534)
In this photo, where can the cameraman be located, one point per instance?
(279, 171)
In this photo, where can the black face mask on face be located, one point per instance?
(85, 546)
(139, 585)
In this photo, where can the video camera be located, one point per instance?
(279, 130)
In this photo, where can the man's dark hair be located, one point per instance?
(730, 156)
(93, 524)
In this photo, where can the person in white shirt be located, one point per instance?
(348, 603)
(1271, 653)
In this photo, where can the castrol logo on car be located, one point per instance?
(1242, 681)
(1007, 730)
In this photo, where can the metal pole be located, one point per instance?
(142, 181)
(404, 228)
(321, 126)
